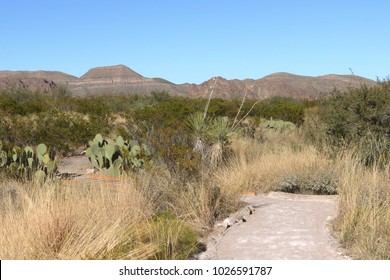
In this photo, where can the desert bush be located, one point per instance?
(160, 96)
(322, 182)
(173, 148)
(63, 131)
(281, 108)
(170, 113)
(359, 117)
(93, 106)
(21, 102)
(29, 118)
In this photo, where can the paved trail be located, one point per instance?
(283, 227)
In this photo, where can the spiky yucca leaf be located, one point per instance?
(198, 123)
(220, 130)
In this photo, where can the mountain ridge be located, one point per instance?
(120, 79)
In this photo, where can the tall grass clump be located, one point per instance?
(363, 223)
(287, 164)
(200, 203)
(80, 221)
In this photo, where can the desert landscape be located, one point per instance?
(114, 165)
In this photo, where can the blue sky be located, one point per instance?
(192, 41)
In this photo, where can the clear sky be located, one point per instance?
(192, 41)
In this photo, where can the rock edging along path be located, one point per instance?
(282, 227)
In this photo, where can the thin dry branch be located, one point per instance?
(249, 111)
(208, 102)
(239, 110)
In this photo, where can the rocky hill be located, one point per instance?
(120, 79)
(45, 81)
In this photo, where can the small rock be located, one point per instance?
(251, 209)
(90, 171)
(240, 218)
(228, 222)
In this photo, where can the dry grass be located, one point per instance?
(70, 222)
(205, 203)
(198, 203)
(154, 217)
(363, 223)
(263, 166)
(105, 221)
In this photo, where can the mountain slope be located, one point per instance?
(120, 79)
(279, 84)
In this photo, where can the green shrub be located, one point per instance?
(170, 113)
(176, 239)
(161, 96)
(21, 102)
(282, 108)
(93, 106)
(318, 183)
(174, 148)
(170, 238)
(63, 131)
(360, 118)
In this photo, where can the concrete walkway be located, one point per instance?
(282, 227)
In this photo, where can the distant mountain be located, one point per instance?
(35, 80)
(57, 76)
(120, 79)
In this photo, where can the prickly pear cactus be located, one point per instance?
(118, 157)
(28, 163)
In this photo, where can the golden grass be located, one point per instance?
(363, 223)
(262, 166)
(197, 202)
(108, 220)
(69, 222)
(202, 204)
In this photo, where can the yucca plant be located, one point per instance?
(220, 130)
(217, 135)
(220, 133)
(198, 124)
